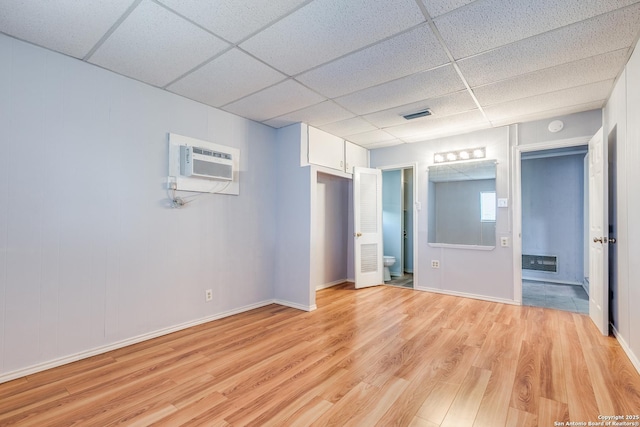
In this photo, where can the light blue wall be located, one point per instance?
(91, 254)
(293, 220)
(483, 273)
(392, 211)
(552, 215)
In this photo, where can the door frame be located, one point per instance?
(516, 159)
(414, 166)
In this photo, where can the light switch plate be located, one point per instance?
(503, 203)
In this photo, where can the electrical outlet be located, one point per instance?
(208, 295)
(435, 263)
(504, 242)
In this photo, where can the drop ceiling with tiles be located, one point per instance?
(353, 67)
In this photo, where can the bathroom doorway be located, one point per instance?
(398, 224)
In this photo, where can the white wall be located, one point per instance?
(90, 253)
(485, 274)
(622, 112)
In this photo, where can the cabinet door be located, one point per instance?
(355, 155)
(326, 149)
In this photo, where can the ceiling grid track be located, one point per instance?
(355, 68)
(111, 30)
(436, 32)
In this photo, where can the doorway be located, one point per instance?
(333, 247)
(398, 225)
(553, 192)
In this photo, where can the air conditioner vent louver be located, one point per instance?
(202, 163)
(416, 115)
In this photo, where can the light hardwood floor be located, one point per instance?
(379, 356)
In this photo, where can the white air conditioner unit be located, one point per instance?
(205, 163)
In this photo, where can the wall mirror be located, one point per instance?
(462, 203)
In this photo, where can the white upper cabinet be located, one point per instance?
(355, 155)
(326, 149)
(333, 152)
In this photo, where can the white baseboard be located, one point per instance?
(330, 284)
(634, 359)
(296, 305)
(467, 295)
(8, 376)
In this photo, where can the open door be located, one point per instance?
(367, 216)
(598, 234)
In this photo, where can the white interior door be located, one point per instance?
(367, 216)
(598, 234)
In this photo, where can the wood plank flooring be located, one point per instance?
(382, 356)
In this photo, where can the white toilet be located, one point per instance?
(388, 261)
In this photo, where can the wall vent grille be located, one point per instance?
(540, 263)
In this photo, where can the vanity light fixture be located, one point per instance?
(479, 153)
(456, 155)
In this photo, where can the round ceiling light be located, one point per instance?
(556, 126)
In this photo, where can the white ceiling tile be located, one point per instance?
(399, 56)
(374, 145)
(577, 73)
(417, 87)
(68, 26)
(327, 29)
(348, 127)
(156, 46)
(275, 101)
(444, 106)
(550, 101)
(371, 137)
(563, 111)
(227, 78)
(420, 128)
(487, 24)
(446, 131)
(605, 33)
(439, 7)
(233, 20)
(315, 115)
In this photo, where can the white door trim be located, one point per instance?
(414, 166)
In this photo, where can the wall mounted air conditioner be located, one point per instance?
(205, 163)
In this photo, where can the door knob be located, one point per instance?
(357, 234)
(612, 240)
(597, 240)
